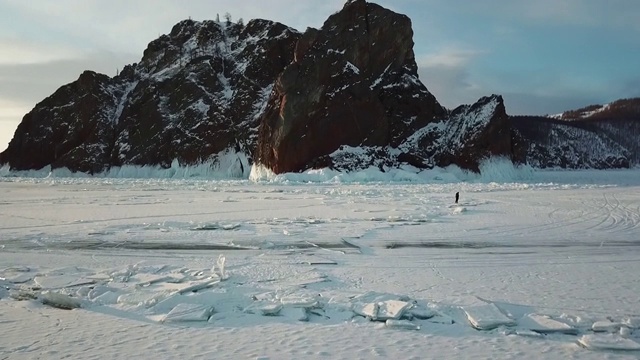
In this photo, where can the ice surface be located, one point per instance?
(58, 300)
(107, 298)
(368, 310)
(606, 326)
(625, 332)
(220, 263)
(632, 322)
(389, 244)
(487, 317)
(392, 309)
(61, 281)
(188, 312)
(545, 325)
(401, 324)
(422, 313)
(193, 286)
(144, 299)
(17, 278)
(270, 309)
(380, 306)
(298, 301)
(295, 313)
(608, 342)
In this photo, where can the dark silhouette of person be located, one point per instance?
(457, 197)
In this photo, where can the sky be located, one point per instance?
(543, 56)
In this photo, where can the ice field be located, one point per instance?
(320, 265)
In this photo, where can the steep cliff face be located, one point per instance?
(464, 137)
(353, 82)
(196, 92)
(200, 91)
(470, 134)
(71, 126)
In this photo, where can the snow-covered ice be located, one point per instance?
(487, 317)
(544, 324)
(322, 265)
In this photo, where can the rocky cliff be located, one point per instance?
(345, 96)
(196, 92)
(354, 82)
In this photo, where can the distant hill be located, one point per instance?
(623, 109)
(596, 136)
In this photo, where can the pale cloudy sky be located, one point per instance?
(543, 56)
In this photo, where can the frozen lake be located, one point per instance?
(295, 269)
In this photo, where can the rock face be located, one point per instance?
(472, 133)
(197, 91)
(354, 82)
(465, 137)
(68, 127)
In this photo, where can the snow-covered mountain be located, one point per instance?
(345, 96)
(197, 92)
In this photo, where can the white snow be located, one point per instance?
(185, 266)
(350, 67)
(377, 81)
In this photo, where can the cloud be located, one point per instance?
(10, 117)
(7, 128)
(21, 51)
(533, 104)
(126, 26)
(32, 82)
(631, 87)
(454, 76)
(449, 57)
(582, 13)
(446, 73)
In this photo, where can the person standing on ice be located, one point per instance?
(457, 197)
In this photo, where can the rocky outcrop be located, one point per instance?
(470, 134)
(476, 132)
(196, 92)
(68, 127)
(345, 96)
(353, 82)
(465, 137)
